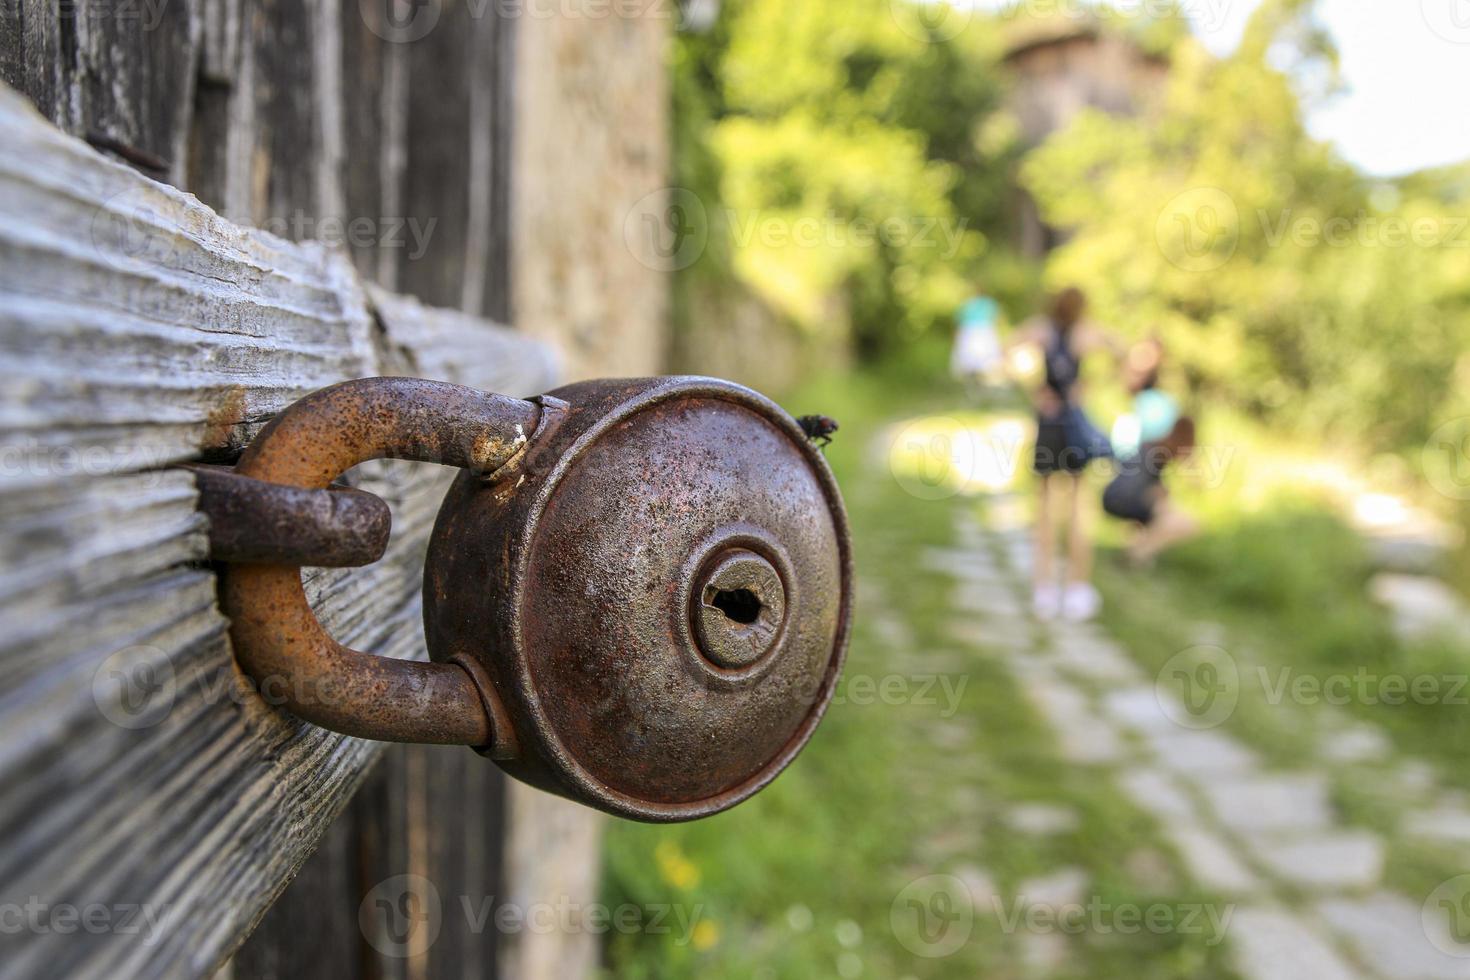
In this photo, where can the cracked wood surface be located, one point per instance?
(138, 329)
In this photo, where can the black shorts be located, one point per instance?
(1055, 450)
(1133, 495)
(1067, 442)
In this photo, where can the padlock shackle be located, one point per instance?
(279, 641)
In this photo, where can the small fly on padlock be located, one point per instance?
(818, 428)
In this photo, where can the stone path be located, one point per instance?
(1307, 889)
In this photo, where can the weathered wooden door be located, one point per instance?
(155, 812)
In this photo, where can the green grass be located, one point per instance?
(1287, 587)
(832, 835)
(1283, 584)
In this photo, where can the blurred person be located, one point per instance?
(1066, 442)
(1145, 441)
(977, 357)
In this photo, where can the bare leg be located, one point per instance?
(1169, 527)
(1080, 601)
(1079, 535)
(1042, 569)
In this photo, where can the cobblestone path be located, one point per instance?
(1306, 892)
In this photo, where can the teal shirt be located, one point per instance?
(981, 311)
(1153, 417)
(1156, 414)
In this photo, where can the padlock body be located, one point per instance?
(659, 591)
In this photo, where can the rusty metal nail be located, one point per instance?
(153, 165)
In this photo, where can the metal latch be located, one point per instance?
(637, 594)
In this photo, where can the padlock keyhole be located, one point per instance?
(741, 608)
(740, 605)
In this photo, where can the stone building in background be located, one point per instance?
(1059, 68)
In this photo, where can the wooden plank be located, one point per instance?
(416, 898)
(37, 45)
(12, 52)
(367, 72)
(214, 137)
(434, 813)
(132, 79)
(138, 328)
(283, 135)
(223, 161)
(208, 165)
(485, 289)
(499, 254)
(219, 43)
(313, 925)
(461, 837)
(437, 173)
(448, 343)
(113, 70)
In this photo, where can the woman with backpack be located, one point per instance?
(1066, 442)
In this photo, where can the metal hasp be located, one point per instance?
(278, 639)
(637, 595)
(255, 521)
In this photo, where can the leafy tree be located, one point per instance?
(1284, 281)
(839, 145)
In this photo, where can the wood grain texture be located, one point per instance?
(33, 57)
(121, 70)
(439, 147)
(138, 329)
(422, 836)
(313, 925)
(370, 66)
(157, 42)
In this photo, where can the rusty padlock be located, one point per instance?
(637, 595)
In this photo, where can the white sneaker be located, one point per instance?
(1046, 602)
(1080, 602)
